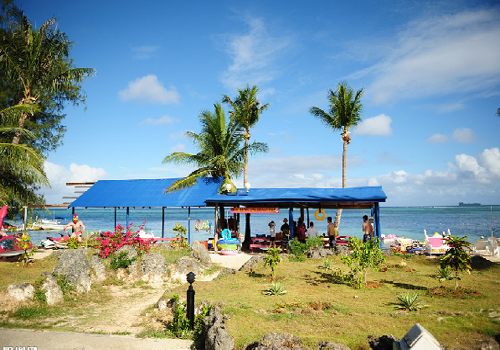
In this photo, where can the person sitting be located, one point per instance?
(77, 226)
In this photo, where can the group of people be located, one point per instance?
(302, 233)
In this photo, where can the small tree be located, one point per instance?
(25, 244)
(363, 256)
(273, 258)
(456, 257)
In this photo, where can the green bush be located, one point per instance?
(120, 261)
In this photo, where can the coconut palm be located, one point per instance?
(35, 65)
(20, 164)
(345, 113)
(220, 154)
(246, 109)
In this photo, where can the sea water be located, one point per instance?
(408, 222)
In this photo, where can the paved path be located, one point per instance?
(44, 340)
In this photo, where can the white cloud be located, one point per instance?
(149, 90)
(178, 148)
(464, 135)
(59, 175)
(379, 125)
(253, 56)
(439, 56)
(162, 120)
(437, 139)
(144, 52)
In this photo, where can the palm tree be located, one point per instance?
(35, 65)
(345, 113)
(246, 109)
(220, 154)
(21, 166)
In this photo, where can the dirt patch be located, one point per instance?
(460, 293)
(373, 285)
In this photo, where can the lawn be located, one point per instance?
(318, 305)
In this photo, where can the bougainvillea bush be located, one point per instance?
(110, 242)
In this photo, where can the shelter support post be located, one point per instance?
(189, 225)
(216, 224)
(376, 219)
(290, 222)
(248, 233)
(128, 215)
(162, 222)
(115, 217)
(308, 221)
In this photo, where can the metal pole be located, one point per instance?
(128, 212)
(190, 299)
(115, 217)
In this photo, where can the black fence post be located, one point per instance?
(190, 299)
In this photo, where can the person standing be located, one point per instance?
(367, 229)
(312, 231)
(333, 232)
(285, 231)
(272, 232)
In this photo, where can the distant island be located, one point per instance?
(463, 204)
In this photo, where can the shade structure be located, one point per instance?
(350, 198)
(146, 193)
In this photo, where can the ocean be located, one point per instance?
(408, 222)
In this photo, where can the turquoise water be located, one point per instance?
(406, 222)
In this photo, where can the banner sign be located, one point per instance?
(255, 210)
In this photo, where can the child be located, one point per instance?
(272, 231)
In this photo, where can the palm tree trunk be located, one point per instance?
(17, 135)
(245, 170)
(344, 152)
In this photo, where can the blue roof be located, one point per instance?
(145, 193)
(324, 196)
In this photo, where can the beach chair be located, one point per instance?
(481, 247)
(495, 246)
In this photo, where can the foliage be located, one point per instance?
(21, 166)
(445, 273)
(275, 289)
(363, 256)
(407, 301)
(110, 242)
(24, 243)
(456, 257)
(180, 235)
(121, 261)
(246, 109)
(272, 259)
(220, 155)
(73, 243)
(327, 264)
(298, 248)
(345, 112)
(179, 326)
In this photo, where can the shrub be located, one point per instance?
(409, 302)
(275, 289)
(363, 256)
(456, 257)
(121, 261)
(272, 259)
(110, 242)
(179, 326)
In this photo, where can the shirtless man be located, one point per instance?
(367, 229)
(78, 228)
(333, 232)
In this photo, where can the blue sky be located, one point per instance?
(430, 71)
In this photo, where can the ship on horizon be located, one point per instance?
(463, 204)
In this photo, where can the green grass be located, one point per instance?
(318, 306)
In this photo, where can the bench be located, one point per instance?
(258, 246)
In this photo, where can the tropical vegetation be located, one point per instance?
(246, 110)
(219, 156)
(457, 258)
(345, 113)
(35, 69)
